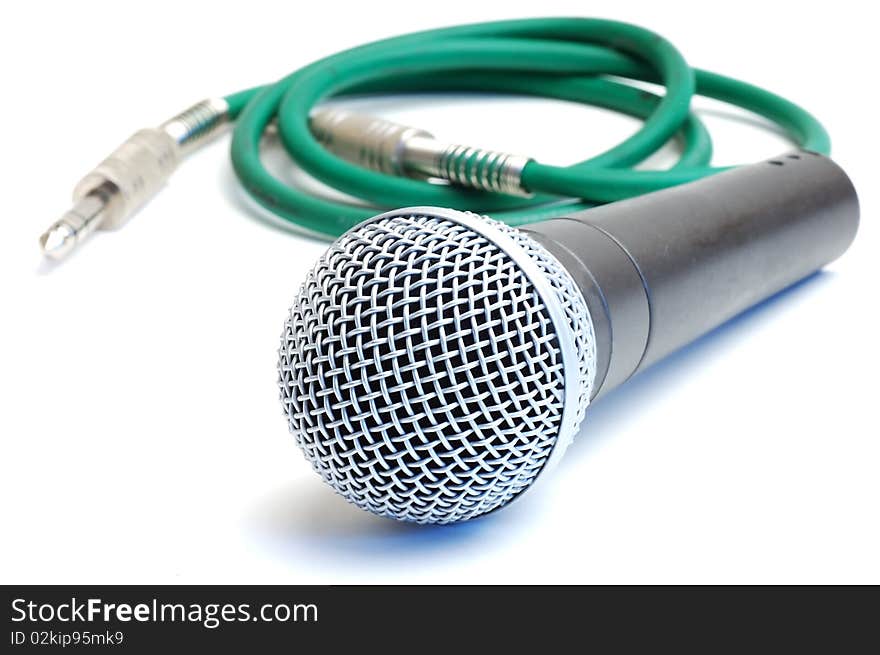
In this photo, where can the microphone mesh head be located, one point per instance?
(433, 363)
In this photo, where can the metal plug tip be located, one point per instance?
(86, 215)
(58, 240)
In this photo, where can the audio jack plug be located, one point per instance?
(395, 149)
(110, 194)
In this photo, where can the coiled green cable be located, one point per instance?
(563, 58)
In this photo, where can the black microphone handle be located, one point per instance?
(659, 270)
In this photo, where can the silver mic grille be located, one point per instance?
(433, 363)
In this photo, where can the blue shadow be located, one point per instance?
(601, 415)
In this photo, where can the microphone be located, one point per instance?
(435, 363)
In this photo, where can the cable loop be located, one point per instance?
(562, 58)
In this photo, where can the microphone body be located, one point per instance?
(435, 363)
(662, 269)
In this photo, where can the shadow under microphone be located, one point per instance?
(435, 363)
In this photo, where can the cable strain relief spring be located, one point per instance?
(486, 170)
(197, 124)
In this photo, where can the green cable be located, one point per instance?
(562, 58)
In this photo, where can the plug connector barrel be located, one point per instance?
(390, 147)
(132, 174)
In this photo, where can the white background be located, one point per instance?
(142, 438)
